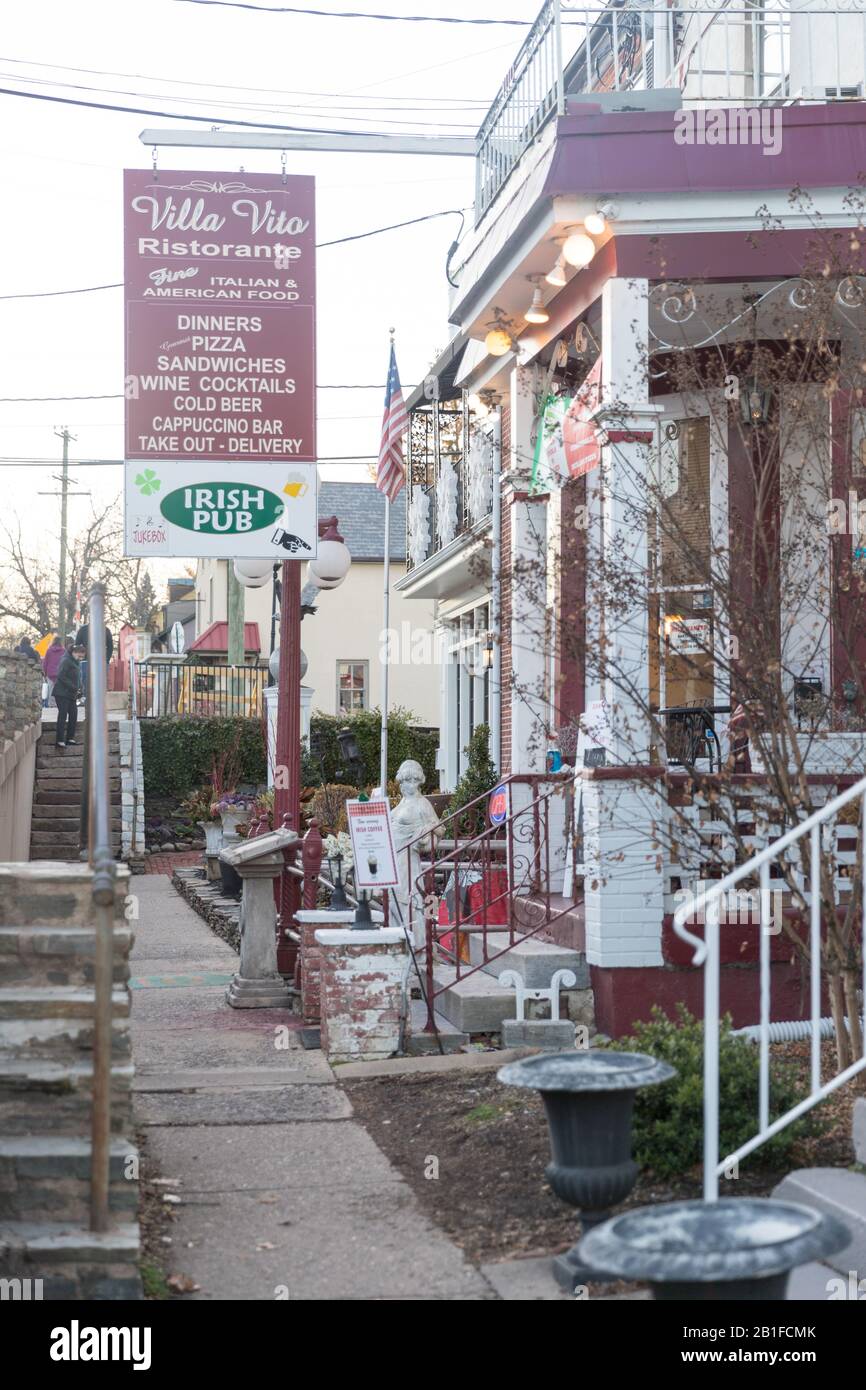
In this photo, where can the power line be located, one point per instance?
(356, 14)
(305, 110)
(203, 120)
(119, 395)
(234, 87)
(9, 461)
(320, 245)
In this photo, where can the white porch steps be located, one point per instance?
(478, 1003)
(841, 1193)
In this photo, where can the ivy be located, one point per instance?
(406, 739)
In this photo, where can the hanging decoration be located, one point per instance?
(479, 471)
(446, 502)
(419, 526)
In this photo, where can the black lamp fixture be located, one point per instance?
(756, 399)
(339, 901)
(350, 752)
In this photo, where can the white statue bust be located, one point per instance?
(413, 820)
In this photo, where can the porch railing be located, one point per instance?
(195, 689)
(508, 864)
(720, 53)
(707, 906)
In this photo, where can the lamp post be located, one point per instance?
(327, 571)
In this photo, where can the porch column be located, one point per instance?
(624, 809)
(528, 575)
(628, 425)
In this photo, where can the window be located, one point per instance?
(352, 686)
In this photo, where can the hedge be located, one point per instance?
(405, 740)
(178, 754)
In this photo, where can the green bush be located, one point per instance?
(478, 779)
(405, 740)
(178, 754)
(669, 1119)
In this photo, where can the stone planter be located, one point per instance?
(588, 1100)
(213, 843)
(230, 822)
(740, 1248)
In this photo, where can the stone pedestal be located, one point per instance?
(363, 986)
(257, 983)
(309, 922)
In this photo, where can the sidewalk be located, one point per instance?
(282, 1193)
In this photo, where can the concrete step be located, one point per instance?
(536, 962)
(72, 1262)
(56, 1098)
(421, 1044)
(860, 1131)
(63, 1041)
(47, 1178)
(840, 1193)
(48, 820)
(65, 838)
(56, 1002)
(46, 892)
(819, 1283)
(474, 1005)
(57, 955)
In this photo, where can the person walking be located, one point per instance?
(51, 663)
(66, 697)
(82, 639)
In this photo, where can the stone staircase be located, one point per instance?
(57, 795)
(842, 1193)
(47, 944)
(479, 1004)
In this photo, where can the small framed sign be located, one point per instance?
(499, 804)
(372, 843)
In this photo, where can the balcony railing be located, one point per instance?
(451, 468)
(713, 53)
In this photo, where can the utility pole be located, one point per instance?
(63, 494)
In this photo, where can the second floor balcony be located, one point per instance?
(710, 53)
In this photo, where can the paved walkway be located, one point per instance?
(283, 1194)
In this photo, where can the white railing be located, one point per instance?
(707, 907)
(770, 51)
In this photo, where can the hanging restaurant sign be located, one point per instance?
(220, 318)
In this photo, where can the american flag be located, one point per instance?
(390, 475)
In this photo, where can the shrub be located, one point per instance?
(669, 1119)
(178, 755)
(328, 805)
(478, 779)
(405, 740)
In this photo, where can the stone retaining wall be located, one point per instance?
(20, 725)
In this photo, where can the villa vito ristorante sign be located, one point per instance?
(220, 364)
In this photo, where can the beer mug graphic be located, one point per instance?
(295, 485)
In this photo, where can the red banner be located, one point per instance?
(579, 438)
(220, 316)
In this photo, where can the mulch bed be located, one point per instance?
(492, 1148)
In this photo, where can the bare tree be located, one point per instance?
(29, 583)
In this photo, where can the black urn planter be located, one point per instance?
(588, 1099)
(740, 1248)
(232, 882)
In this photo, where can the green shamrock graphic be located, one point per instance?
(147, 482)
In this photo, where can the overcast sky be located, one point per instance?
(61, 222)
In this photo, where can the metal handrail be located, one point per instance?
(707, 953)
(103, 895)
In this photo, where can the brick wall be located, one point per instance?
(20, 693)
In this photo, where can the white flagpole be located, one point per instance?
(385, 646)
